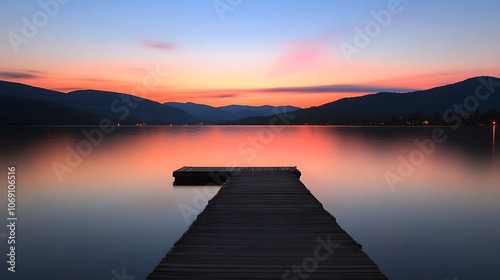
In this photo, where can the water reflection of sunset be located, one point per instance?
(129, 176)
(138, 153)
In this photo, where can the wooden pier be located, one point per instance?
(264, 224)
(189, 175)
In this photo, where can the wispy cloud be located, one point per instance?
(299, 56)
(19, 75)
(158, 45)
(304, 90)
(226, 95)
(93, 80)
(221, 95)
(336, 89)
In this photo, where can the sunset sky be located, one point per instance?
(254, 52)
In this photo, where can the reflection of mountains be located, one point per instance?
(22, 104)
(474, 142)
(24, 141)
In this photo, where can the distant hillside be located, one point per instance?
(266, 110)
(23, 104)
(23, 111)
(40, 106)
(211, 114)
(389, 108)
(33, 93)
(129, 109)
(202, 112)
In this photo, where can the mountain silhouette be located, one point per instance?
(211, 114)
(24, 111)
(384, 107)
(44, 106)
(23, 104)
(127, 108)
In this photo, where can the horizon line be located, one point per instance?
(362, 90)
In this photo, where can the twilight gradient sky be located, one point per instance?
(256, 52)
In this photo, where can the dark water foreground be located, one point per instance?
(111, 210)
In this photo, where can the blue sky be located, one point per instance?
(258, 44)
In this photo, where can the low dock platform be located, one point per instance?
(189, 175)
(265, 224)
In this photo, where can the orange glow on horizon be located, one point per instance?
(238, 91)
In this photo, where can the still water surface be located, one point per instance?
(117, 213)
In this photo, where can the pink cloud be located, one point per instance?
(300, 56)
(157, 45)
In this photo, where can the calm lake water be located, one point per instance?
(116, 213)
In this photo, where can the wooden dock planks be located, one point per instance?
(265, 224)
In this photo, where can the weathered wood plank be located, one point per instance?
(264, 224)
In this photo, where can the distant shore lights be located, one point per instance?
(494, 137)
